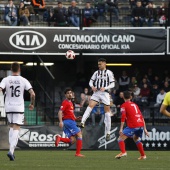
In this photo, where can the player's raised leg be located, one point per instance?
(86, 114)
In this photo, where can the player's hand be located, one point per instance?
(102, 89)
(146, 132)
(120, 132)
(61, 124)
(94, 88)
(79, 118)
(31, 107)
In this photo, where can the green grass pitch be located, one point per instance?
(94, 160)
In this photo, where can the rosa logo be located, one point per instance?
(27, 40)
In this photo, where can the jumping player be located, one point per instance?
(14, 86)
(67, 122)
(101, 81)
(135, 126)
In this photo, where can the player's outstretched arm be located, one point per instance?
(164, 111)
(32, 98)
(60, 115)
(145, 130)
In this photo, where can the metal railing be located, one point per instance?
(46, 116)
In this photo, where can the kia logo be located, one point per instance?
(27, 40)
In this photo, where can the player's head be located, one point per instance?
(127, 95)
(68, 93)
(15, 67)
(102, 63)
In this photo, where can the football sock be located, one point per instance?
(122, 146)
(78, 145)
(14, 140)
(10, 134)
(140, 148)
(65, 140)
(107, 122)
(86, 114)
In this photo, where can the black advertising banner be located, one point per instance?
(92, 41)
(93, 138)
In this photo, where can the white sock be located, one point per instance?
(14, 141)
(86, 114)
(107, 122)
(10, 134)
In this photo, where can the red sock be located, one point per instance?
(140, 148)
(122, 146)
(65, 140)
(78, 145)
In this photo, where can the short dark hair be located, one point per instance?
(102, 59)
(127, 95)
(67, 89)
(15, 67)
(59, 2)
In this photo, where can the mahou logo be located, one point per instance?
(27, 40)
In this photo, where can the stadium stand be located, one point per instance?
(124, 10)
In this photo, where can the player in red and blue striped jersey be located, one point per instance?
(135, 126)
(67, 122)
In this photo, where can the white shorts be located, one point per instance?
(100, 96)
(15, 118)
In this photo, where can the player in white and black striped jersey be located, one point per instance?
(101, 81)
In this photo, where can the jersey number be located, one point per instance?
(133, 105)
(15, 92)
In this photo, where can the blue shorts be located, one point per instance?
(70, 128)
(129, 132)
(95, 109)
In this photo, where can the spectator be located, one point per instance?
(166, 86)
(11, 14)
(84, 100)
(28, 5)
(88, 15)
(136, 93)
(132, 3)
(58, 18)
(138, 15)
(163, 14)
(156, 80)
(74, 14)
(124, 81)
(144, 81)
(119, 100)
(145, 3)
(39, 6)
(86, 91)
(24, 14)
(132, 83)
(150, 16)
(160, 98)
(100, 5)
(154, 92)
(145, 93)
(98, 110)
(113, 7)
